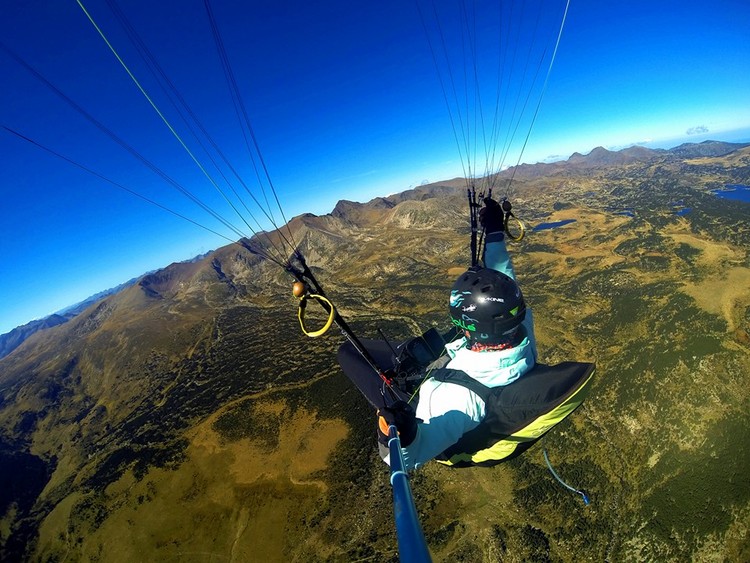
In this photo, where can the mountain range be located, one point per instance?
(357, 213)
(185, 416)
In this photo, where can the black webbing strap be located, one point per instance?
(463, 379)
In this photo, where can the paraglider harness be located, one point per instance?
(516, 415)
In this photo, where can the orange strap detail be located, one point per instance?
(383, 425)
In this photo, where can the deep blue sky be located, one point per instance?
(345, 102)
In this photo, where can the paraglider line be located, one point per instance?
(103, 128)
(162, 78)
(464, 162)
(125, 188)
(544, 89)
(158, 111)
(585, 497)
(235, 89)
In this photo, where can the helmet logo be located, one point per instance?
(465, 323)
(457, 297)
(497, 299)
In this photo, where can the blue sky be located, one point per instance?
(345, 102)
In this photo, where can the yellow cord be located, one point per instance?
(325, 303)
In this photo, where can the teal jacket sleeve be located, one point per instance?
(496, 255)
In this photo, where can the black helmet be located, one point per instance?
(486, 303)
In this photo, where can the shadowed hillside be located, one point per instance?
(186, 417)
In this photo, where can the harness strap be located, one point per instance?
(463, 379)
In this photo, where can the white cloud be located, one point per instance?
(699, 129)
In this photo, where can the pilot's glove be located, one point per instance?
(491, 216)
(402, 416)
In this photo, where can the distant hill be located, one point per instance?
(706, 148)
(83, 305)
(601, 158)
(13, 339)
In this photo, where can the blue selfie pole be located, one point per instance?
(412, 547)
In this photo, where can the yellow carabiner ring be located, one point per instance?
(521, 229)
(325, 303)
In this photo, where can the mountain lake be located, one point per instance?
(738, 192)
(553, 225)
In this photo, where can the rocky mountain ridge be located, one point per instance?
(360, 214)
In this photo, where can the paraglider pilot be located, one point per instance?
(496, 347)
